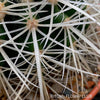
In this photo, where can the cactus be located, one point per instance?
(48, 43)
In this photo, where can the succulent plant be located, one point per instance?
(48, 43)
